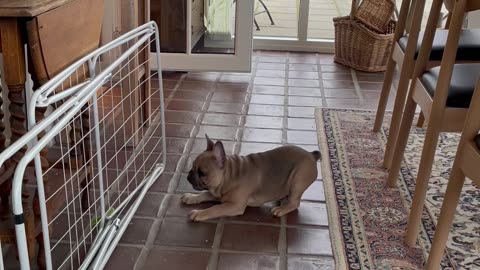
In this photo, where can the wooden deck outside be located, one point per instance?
(320, 25)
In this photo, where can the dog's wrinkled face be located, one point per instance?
(207, 169)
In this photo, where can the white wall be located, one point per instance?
(474, 19)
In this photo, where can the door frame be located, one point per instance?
(240, 61)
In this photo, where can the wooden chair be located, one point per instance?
(443, 93)
(466, 164)
(403, 53)
(408, 40)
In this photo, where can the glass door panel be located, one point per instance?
(276, 18)
(205, 35)
(218, 32)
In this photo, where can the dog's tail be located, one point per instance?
(316, 155)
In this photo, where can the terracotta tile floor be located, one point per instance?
(271, 106)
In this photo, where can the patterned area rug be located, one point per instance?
(367, 219)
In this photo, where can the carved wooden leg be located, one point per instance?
(30, 229)
(6, 186)
(80, 155)
(42, 264)
(14, 65)
(18, 117)
(76, 151)
(86, 133)
(2, 125)
(5, 189)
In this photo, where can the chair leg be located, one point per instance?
(402, 91)
(445, 220)
(421, 120)
(449, 20)
(5, 190)
(256, 24)
(421, 184)
(386, 88)
(42, 264)
(404, 132)
(268, 12)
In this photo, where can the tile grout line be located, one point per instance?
(278, 144)
(282, 237)
(217, 237)
(245, 108)
(285, 101)
(356, 85)
(173, 185)
(230, 251)
(214, 257)
(238, 222)
(175, 175)
(320, 81)
(155, 227)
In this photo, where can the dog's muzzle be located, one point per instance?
(194, 181)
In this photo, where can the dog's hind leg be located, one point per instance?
(286, 208)
(299, 183)
(292, 203)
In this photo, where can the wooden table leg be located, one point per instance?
(14, 66)
(2, 125)
(80, 152)
(5, 187)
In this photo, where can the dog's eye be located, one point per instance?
(200, 173)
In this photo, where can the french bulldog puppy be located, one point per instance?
(252, 180)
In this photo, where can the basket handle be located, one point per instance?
(355, 4)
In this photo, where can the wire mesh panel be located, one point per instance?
(94, 156)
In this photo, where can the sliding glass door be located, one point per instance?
(205, 35)
(297, 25)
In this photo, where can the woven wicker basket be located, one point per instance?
(376, 14)
(361, 47)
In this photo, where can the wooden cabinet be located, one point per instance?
(198, 25)
(171, 17)
(204, 35)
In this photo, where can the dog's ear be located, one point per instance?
(219, 153)
(209, 143)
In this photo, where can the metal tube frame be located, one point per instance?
(78, 96)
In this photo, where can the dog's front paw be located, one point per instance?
(198, 215)
(280, 211)
(190, 198)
